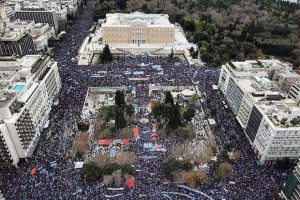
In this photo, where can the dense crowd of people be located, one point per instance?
(62, 181)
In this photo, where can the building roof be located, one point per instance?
(255, 66)
(12, 36)
(122, 19)
(283, 114)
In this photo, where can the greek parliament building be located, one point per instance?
(259, 93)
(28, 87)
(136, 33)
(137, 28)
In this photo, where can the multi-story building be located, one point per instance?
(42, 29)
(245, 83)
(16, 43)
(294, 93)
(40, 42)
(21, 25)
(28, 90)
(38, 15)
(273, 129)
(248, 87)
(285, 79)
(291, 189)
(137, 28)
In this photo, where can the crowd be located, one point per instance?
(62, 181)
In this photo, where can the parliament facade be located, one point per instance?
(137, 28)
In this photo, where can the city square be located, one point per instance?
(133, 115)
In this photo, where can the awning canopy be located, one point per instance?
(125, 141)
(130, 182)
(136, 132)
(105, 142)
(154, 136)
(33, 171)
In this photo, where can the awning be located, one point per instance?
(33, 171)
(105, 142)
(136, 132)
(78, 165)
(154, 136)
(130, 182)
(125, 141)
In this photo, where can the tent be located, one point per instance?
(154, 127)
(104, 142)
(130, 182)
(125, 141)
(78, 165)
(148, 145)
(136, 132)
(33, 171)
(154, 136)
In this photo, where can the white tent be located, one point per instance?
(78, 165)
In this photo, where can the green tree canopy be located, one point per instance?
(120, 120)
(169, 98)
(189, 114)
(120, 99)
(106, 55)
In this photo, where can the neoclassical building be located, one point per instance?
(137, 28)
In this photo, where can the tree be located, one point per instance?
(189, 114)
(121, 4)
(207, 57)
(194, 99)
(169, 98)
(194, 178)
(120, 120)
(171, 56)
(145, 8)
(120, 99)
(243, 34)
(91, 172)
(175, 118)
(106, 55)
(83, 126)
(129, 109)
(223, 171)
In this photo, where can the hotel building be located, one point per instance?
(28, 89)
(269, 119)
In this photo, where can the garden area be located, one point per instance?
(114, 121)
(114, 171)
(173, 118)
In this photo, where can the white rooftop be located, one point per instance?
(121, 19)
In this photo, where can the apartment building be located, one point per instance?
(28, 89)
(137, 28)
(16, 43)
